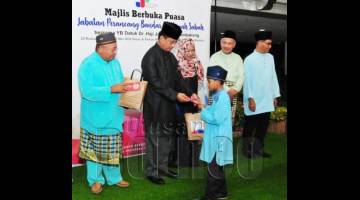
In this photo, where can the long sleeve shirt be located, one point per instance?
(260, 82)
(218, 130)
(100, 111)
(233, 64)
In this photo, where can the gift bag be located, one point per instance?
(195, 126)
(76, 160)
(133, 134)
(134, 97)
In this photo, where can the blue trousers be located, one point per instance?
(97, 172)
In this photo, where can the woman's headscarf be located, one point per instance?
(189, 68)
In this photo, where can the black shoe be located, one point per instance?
(156, 180)
(170, 174)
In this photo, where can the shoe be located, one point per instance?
(123, 184)
(156, 180)
(170, 174)
(96, 188)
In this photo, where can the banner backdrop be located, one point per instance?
(136, 24)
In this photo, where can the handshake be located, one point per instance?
(194, 99)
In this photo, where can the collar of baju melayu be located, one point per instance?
(224, 54)
(259, 53)
(215, 96)
(100, 59)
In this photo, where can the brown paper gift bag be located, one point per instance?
(195, 126)
(135, 96)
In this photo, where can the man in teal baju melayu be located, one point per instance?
(101, 84)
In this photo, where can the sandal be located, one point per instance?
(96, 188)
(123, 184)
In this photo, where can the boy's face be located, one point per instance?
(214, 85)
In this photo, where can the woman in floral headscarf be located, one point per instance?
(190, 67)
(192, 73)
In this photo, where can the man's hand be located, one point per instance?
(197, 102)
(232, 93)
(252, 104)
(119, 88)
(195, 99)
(182, 97)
